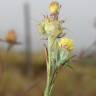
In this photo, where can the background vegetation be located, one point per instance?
(15, 80)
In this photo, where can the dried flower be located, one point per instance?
(11, 37)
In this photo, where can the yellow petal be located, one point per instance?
(54, 7)
(68, 43)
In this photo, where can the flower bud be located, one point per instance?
(66, 43)
(11, 37)
(54, 7)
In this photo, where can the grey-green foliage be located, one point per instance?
(60, 56)
(57, 56)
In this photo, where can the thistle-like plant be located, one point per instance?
(58, 51)
(11, 39)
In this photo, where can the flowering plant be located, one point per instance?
(58, 51)
(11, 39)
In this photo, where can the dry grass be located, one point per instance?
(79, 81)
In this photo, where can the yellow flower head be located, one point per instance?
(66, 43)
(11, 37)
(54, 7)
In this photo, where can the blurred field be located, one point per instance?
(14, 81)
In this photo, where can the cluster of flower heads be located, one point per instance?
(52, 25)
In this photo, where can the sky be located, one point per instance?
(78, 14)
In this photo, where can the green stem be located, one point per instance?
(49, 86)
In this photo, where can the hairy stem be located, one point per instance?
(49, 86)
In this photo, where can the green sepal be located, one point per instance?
(41, 28)
(63, 56)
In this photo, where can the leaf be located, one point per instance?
(63, 56)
